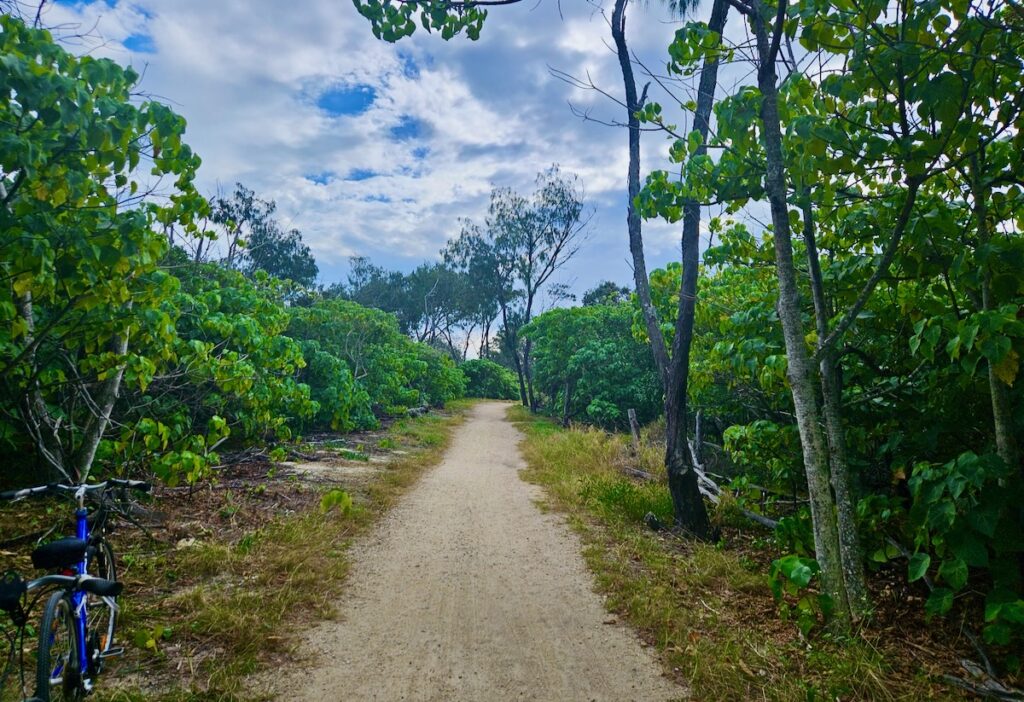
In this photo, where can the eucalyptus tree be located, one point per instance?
(521, 245)
(605, 293)
(256, 241)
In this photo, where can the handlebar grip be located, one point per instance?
(28, 492)
(139, 485)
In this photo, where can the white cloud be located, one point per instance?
(246, 75)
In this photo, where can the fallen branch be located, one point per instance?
(27, 538)
(986, 686)
(710, 489)
(253, 454)
(707, 487)
(642, 475)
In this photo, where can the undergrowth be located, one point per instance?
(706, 607)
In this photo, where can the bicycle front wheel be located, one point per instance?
(58, 678)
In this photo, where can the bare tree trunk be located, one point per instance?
(688, 505)
(636, 242)
(485, 344)
(97, 424)
(999, 391)
(529, 375)
(800, 371)
(698, 438)
(634, 430)
(40, 423)
(512, 341)
(849, 542)
(566, 401)
(521, 377)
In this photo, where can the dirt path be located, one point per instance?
(468, 592)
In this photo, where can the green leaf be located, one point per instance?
(998, 634)
(967, 546)
(939, 602)
(918, 566)
(336, 498)
(954, 573)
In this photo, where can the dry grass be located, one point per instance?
(706, 607)
(241, 567)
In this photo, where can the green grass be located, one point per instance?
(707, 608)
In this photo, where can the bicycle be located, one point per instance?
(89, 639)
(59, 629)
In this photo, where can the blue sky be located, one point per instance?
(376, 149)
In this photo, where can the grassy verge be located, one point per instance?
(707, 608)
(239, 567)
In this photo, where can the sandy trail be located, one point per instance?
(467, 591)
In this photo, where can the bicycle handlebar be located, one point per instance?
(62, 487)
(13, 587)
(86, 583)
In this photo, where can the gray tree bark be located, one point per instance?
(688, 504)
(999, 391)
(800, 369)
(849, 543)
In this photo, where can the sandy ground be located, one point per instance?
(467, 591)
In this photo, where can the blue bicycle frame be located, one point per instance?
(78, 599)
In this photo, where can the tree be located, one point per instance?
(856, 145)
(487, 379)
(606, 293)
(392, 21)
(590, 366)
(522, 244)
(256, 241)
(434, 304)
(394, 372)
(81, 240)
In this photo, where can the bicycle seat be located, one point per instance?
(62, 553)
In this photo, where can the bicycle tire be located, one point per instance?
(103, 617)
(58, 678)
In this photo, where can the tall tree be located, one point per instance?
(523, 243)
(256, 241)
(866, 137)
(605, 293)
(392, 21)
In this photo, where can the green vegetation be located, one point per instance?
(859, 355)
(226, 603)
(126, 347)
(702, 605)
(590, 368)
(490, 380)
(850, 372)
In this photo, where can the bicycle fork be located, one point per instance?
(78, 599)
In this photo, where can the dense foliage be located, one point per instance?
(125, 339)
(489, 380)
(589, 367)
(909, 209)
(863, 351)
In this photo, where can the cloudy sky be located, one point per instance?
(378, 149)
